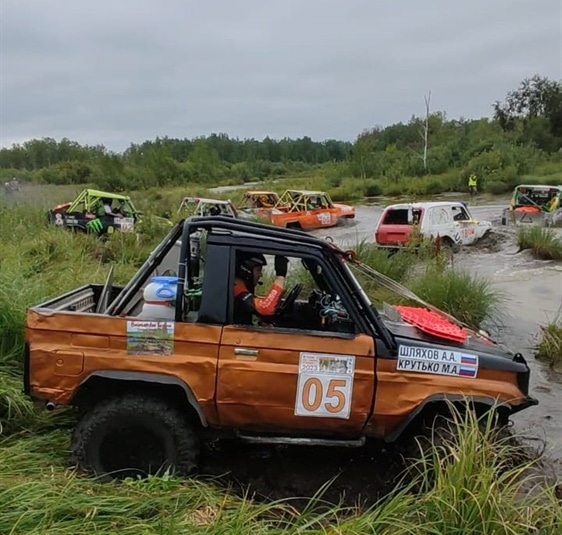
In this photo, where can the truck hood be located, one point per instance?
(489, 354)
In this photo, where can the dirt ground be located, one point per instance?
(533, 294)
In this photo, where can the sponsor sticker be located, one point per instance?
(437, 361)
(150, 338)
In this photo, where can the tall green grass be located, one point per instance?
(471, 299)
(429, 274)
(469, 485)
(544, 243)
(549, 348)
(39, 262)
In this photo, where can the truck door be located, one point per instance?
(441, 223)
(465, 226)
(298, 374)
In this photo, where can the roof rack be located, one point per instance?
(240, 225)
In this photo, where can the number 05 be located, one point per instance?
(320, 396)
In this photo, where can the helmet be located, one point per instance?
(245, 264)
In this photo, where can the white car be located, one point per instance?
(199, 206)
(450, 222)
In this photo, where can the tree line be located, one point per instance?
(524, 132)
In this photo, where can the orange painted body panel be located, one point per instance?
(244, 377)
(399, 392)
(309, 210)
(66, 348)
(259, 391)
(309, 219)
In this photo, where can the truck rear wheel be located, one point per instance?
(134, 436)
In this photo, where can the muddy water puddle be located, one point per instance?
(532, 292)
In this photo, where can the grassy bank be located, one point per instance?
(544, 243)
(468, 486)
(549, 348)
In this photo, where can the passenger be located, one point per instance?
(248, 272)
(107, 209)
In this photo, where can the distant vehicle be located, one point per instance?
(258, 204)
(449, 222)
(11, 187)
(308, 210)
(535, 204)
(97, 212)
(199, 206)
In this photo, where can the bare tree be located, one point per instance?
(425, 131)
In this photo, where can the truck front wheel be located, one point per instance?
(134, 436)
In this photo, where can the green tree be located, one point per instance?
(533, 112)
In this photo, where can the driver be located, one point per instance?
(248, 272)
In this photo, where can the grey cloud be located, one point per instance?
(120, 72)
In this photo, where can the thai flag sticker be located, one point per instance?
(469, 359)
(467, 372)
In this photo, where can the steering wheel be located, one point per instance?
(289, 301)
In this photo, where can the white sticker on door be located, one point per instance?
(325, 385)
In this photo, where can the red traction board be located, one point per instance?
(432, 323)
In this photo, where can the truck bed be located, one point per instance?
(82, 299)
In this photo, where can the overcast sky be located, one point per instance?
(122, 71)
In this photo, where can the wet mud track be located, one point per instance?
(350, 476)
(532, 291)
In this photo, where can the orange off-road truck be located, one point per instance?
(327, 369)
(309, 210)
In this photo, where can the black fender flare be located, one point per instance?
(147, 377)
(442, 398)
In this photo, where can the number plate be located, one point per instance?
(127, 224)
(325, 385)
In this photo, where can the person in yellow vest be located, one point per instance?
(472, 184)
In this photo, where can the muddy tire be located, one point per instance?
(419, 453)
(437, 440)
(133, 436)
